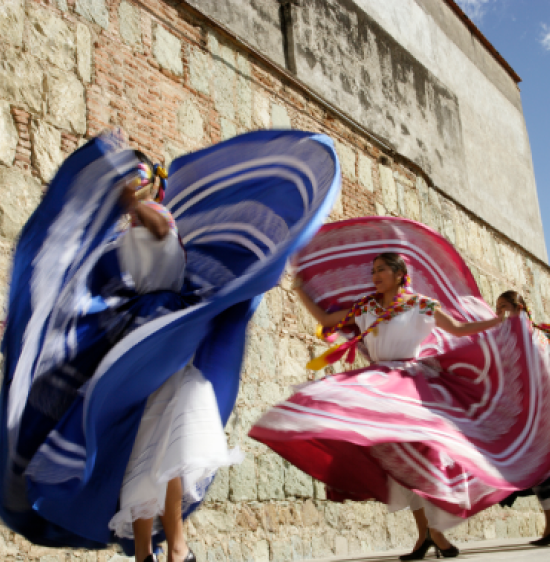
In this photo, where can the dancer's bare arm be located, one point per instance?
(449, 324)
(326, 319)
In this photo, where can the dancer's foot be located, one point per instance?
(180, 554)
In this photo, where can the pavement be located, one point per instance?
(487, 551)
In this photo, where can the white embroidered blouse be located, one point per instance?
(401, 337)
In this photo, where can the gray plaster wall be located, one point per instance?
(500, 183)
(411, 72)
(351, 60)
(258, 22)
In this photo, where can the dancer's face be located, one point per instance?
(504, 306)
(384, 278)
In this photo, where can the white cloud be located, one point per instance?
(474, 9)
(545, 40)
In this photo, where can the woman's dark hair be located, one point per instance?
(395, 262)
(515, 299)
(142, 157)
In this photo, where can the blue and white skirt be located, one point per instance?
(84, 351)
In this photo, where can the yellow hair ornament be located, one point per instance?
(161, 172)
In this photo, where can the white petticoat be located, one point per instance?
(180, 434)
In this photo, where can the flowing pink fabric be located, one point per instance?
(462, 426)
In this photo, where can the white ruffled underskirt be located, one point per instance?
(180, 435)
(402, 498)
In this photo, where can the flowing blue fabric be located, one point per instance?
(83, 350)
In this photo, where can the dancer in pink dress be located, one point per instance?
(512, 302)
(452, 413)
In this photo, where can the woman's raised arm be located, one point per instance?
(326, 319)
(456, 328)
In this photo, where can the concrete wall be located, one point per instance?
(411, 72)
(71, 68)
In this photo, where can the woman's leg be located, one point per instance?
(172, 522)
(143, 529)
(439, 539)
(422, 526)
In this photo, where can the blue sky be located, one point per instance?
(520, 31)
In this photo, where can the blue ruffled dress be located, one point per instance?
(85, 350)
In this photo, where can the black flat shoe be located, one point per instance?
(190, 557)
(421, 551)
(151, 558)
(544, 541)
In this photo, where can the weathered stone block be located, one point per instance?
(172, 151)
(224, 78)
(365, 172)
(20, 196)
(486, 288)
(320, 547)
(84, 53)
(21, 79)
(190, 121)
(242, 481)
(235, 552)
(298, 548)
(298, 484)
(8, 134)
(269, 313)
(279, 117)
(261, 114)
(46, 149)
(210, 521)
(62, 5)
(380, 210)
(262, 356)
(49, 38)
(346, 155)
(320, 490)
(94, 11)
(281, 551)
(216, 554)
(244, 92)
(66, 105)
(341, 546)
(167, 50)
(12, 21)
(401, 199)
(256, 552)
(228, 128)
(389, 190)
(198, 549)
(129, 21)
(412, 205)
(310, 514)
(199, 70)
(271, 477)
(294, 357)
(219, 490)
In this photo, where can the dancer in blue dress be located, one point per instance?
(99, 346)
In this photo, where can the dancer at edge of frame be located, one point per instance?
(442, 420)
(122, 350)
(512, 302)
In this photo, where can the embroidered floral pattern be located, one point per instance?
(426, 305)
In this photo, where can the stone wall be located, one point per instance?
(176, 82)
(414, 74)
